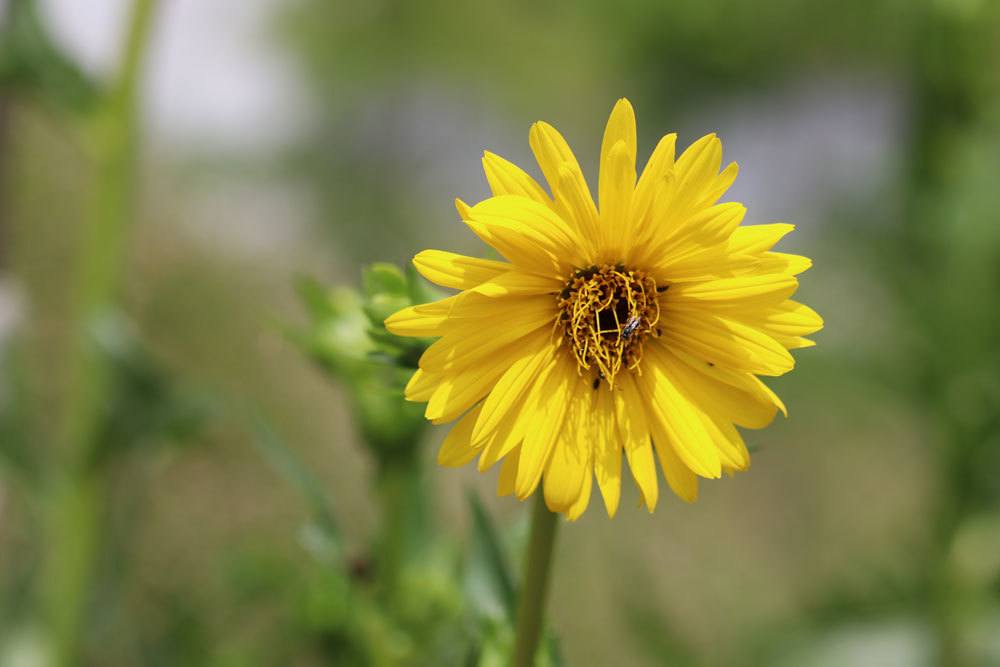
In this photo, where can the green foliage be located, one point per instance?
(346, 337)
(321, 537)
(489, 582)
(146, 405)
(32, 64)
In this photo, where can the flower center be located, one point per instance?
(605, 313)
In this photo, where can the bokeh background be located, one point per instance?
(200, 467)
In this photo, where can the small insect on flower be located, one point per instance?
(630, 327)
(636, 330)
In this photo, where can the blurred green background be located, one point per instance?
(180, 184)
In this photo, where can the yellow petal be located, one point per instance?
(483, 305)
(710, 427)
(703, 263)
(456, 450)
(527, 233)
(720, 184)
(569, 187)
(545, 422)
(725, 341)
(472, 310)
(617, 182)
(733, 452)
(673, 419)
(633, 432)
(694, 174)
(421, 386)
(758, 238)
(780, 262)
(747, 383)
(617, 170)
(634, 435)
(505, 438)
(464, 210)
(795, 342)
(577, 509)
(574, 203)
(620, 128)
(767, 393)
(509, 431)
(608, 454)
(789, 318)
(517, 283)
(508, 473)
(652, 179)
(681, 480)
(450, 269)
(712, 396)
(482, 337)
(457, 392)
(679, 238)
(745, 291)
(569, 463)
(512, 386)
(412, 321)
(551, 151)
(506, 178)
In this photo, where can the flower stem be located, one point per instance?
(404, 517)
(531, 605)
(76, 489)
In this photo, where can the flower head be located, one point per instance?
(638, 327)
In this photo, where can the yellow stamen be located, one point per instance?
(606, 313)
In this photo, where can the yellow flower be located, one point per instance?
(638, 327)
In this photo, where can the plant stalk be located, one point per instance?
(77, 491)
(404, 517)
(534, 590)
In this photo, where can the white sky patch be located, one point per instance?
(215, 79)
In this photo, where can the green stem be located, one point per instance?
(533, 593)
(400, 488)
(77, 491)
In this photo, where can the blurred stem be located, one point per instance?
(77, 492)
(6, 11)
(400, 486)
(4, 151)
(951, 98)
(534, 590)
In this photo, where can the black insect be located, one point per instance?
(630, 327)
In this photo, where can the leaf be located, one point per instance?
(32, 63)
(554, 650)
(488, 579)
(145, 404)
(385, 278)
(490, 586)
(315, 297)
(289, 466)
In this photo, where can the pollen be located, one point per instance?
(606, 313)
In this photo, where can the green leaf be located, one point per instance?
(385, 278)
(289, 466)
(145, 404)
(315, 297)
(553, 649)
(31, 63)
(337, 335)
(488, 581)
